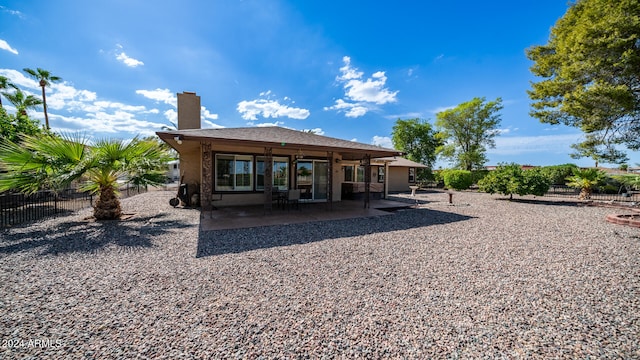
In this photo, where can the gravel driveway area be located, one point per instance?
(482, 278)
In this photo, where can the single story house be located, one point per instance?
(243, 166)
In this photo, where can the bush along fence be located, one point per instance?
(597, 195)
(17, 208)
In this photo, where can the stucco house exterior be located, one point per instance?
(247, 166)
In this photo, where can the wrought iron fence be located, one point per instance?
(17, 208)
(565, 191)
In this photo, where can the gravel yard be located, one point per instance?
(482, 278)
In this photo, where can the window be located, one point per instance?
(348, 173)
(412, 175)
(234, 172)
(280, 173)
(381, 174)
(353, 173)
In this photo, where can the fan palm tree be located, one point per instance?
(54, 162)
(45, 79)
(585, 180)
(21, 101)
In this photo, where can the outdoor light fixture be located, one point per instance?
(299, 155)
(178, 139)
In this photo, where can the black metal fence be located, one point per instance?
(16, 208)
(598, 195)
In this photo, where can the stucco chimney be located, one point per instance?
(188, 111)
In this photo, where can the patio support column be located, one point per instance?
(367, 180)
(206, 190)
(386, 179)
(268, 179)
(330, 161)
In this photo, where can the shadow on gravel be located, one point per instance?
(544, 202)
(220, 242)
(90, 236)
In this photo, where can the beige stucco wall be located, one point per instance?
(190, 164)
(398, 179)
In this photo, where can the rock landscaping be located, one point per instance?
(482, 277)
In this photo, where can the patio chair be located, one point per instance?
(293, 197)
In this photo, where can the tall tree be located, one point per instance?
(45, 79)
(53, 162)
(21, 101)
(591, 79)
(467, 131)
(417, 139)
(4, 85)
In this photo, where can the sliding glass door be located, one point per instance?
(311, 179)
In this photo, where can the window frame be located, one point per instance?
(237, 160)
(275, 160)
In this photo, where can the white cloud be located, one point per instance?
(210, 125)
(207, 115)
(5, 46)
(129, 61)
(107, 123)
(317, 131)
(361, 95)
(75, 109)
(19, 79)
(442, 108)
(160, 95)
(250, 110)
(275, 123)
(349, 73)
(372, 90)
(352, 110)
(383, 141)
(12, 12)
(125, 59)
(171, 115)
(66, 96)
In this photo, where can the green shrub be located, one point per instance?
(509, 179)
(477, 175)
(457, 179)
(558, 174)
(534, 182)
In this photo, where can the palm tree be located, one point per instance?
(55, 161)
(585, 180)
(45, 78)
(21, 101)
(4, 84)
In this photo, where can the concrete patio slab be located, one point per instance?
(236, 217)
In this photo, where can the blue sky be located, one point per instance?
(347, 69)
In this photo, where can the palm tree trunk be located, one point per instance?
(585, 194)
(44, 105)
(107, 206)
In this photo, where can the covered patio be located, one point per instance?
(238, 217)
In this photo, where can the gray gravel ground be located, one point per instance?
(482, 278)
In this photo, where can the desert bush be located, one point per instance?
(558, 174)
(457, 179)
(509, 179)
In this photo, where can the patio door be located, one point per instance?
(311, 179)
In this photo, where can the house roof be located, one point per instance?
(275, 136)
(401, 162)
